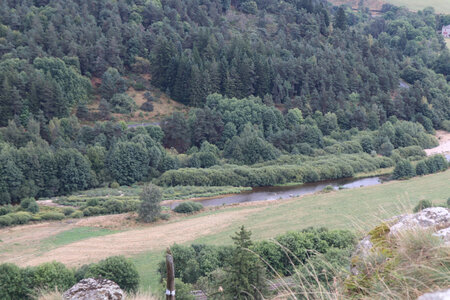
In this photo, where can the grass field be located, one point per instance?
(73, 235)
(357, 209)
(440, 6)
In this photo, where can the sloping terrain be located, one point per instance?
(440, 6)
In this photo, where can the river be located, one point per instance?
(285, 192)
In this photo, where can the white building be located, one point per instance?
(446, 31)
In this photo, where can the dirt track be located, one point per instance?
(444, 143)
(25, 239)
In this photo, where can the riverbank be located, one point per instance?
(444, 144)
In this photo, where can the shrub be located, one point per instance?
(29, 204)
(77, 214)
(51, 215)
(183, 290)
(328, 188)
(68, 211)
(188, 207)
(150, 208)
(93, 211)
(113, 206)
(147, 106)
(114, 185)
(24, 203)
(403, 169)
(165, 216)
(92, 202)
(131, 205)
(5, 209)
(436, 163)
(446, 125)
(422, 168)
(12, 285)
(20, 217)
(422, 205)
(118, 269)
(33, 207)
(54, 275)
(122, 104)
(448, 202)
(81, 272)
(5, 220)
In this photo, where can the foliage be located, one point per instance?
(295, 169)
(183, 290)
(246, 275)
(416, 260)
(433, 164)
(118, 269)
(54, 275)
(422, 205)
(52, 216)
(128, 162)
(150, 208)
(295, 248)
(147, 106)
(196, 261)
(30, 205)
(403, 169)
(188, 207)
(122, 104)
(112, 83)
(12, 285)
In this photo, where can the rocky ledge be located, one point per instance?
(94, 289)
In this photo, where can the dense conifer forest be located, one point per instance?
(275, 89)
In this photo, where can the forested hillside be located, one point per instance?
(265, 80)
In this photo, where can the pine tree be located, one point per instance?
(246, 275)
(341, 19)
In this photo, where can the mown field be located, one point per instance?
(88, 240)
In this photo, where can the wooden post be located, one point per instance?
(170, 289)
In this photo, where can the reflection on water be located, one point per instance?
(275, 193)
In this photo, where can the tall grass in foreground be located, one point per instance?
(405, 267)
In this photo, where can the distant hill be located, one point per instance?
(440, 6)
(371, 4)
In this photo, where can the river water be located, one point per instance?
(284, 192)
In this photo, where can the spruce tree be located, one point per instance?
(341, 19)
(246, 276)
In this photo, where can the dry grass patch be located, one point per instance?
(136, 241)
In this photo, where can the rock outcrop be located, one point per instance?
(94, 289)
(436, 219)
(439, 295)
